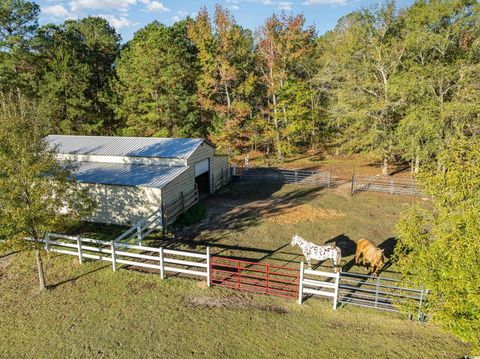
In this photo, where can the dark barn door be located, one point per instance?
(203, 182)
(202, 176)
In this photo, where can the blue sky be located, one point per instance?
(128, 16)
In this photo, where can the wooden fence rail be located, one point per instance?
(173, 209)
(142, 229)
(161, 259)
(386, 294)
(311, 285)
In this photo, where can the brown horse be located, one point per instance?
(371, 253)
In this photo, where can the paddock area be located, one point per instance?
(250, 223)
(248, 228)
(256, 222)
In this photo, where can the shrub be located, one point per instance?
(192, 216)
(439, 247)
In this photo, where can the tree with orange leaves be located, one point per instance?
(226, 81)
(282, 45)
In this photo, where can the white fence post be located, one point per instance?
(114, 257)
(208, 267)
(300, 284)
(337, 284)
(162, 271)
(79, 245)
(47, 241)
(139, 234)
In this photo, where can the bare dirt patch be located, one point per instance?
(300, 213)
(232, 302)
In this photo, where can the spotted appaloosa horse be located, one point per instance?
(312, 251)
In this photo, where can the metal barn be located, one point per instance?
(132, 177)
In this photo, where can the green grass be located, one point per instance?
(90, 311)
(192, 216)
(234, 226)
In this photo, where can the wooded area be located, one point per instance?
(396, 83)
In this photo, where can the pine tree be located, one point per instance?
(155, 86)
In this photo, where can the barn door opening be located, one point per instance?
(202, 176)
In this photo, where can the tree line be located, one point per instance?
(396, 83)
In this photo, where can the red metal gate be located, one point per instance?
(254, 277)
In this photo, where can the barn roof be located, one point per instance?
(126, 146)
(126, 174)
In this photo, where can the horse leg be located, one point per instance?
(357, 257)
(309, 263)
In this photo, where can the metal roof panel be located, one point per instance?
(125, 146)
(126, 174)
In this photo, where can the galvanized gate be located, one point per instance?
(254, 277)
(380, 293)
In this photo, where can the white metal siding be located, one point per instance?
(122, 159)
(184, 182)
(219, 168)
(202, 167)
(201, 154)
(124, 205)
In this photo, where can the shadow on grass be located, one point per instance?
(2, 256)
(72, 279)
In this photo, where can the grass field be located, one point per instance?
(92, 312)
(89, 311)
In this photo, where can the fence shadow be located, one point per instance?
(2, 256)
(72, 279)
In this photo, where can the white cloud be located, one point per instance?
(157, 6)
(77, 5)
(181, 14)
(56, 11)
(234, 7)
(117, 22)
(324, 2)
(285, 5)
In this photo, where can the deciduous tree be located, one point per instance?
(438, 245)
(37, 193)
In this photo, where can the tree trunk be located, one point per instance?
(385, 166)
(277, 130)
(417, 164)
(41, 273)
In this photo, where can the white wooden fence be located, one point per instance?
(344, 288)
(313, 286)
(142, 229)
(163, 260)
